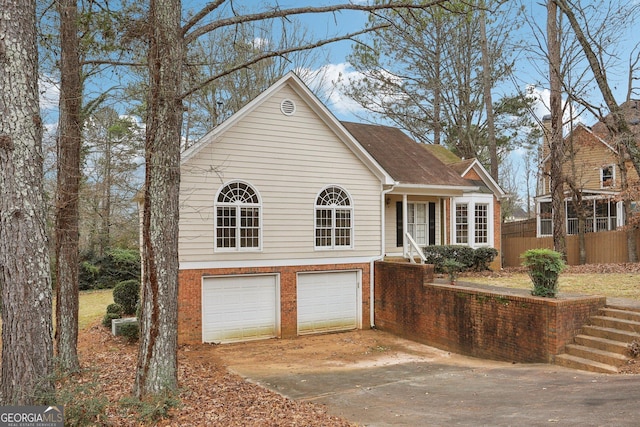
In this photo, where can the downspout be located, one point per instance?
(383, 205)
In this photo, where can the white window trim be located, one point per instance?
(471, 201)
(333, 208)
(216, 204)
(426, 218)
(613, 176)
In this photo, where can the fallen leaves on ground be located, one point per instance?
(209, 394)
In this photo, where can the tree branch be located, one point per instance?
(267, 55)
(282, 13)
(210, 7)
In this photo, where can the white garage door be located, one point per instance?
(327, 302)
(239, 308)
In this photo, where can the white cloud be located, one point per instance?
(324, 82)
(49, 93)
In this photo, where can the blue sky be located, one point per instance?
(323, 25)
(331, 25)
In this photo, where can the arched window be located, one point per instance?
(333, 219)
(238, 217)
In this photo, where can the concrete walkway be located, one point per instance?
(437, 394)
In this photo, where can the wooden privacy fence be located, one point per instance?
(604, 247)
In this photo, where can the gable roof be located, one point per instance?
(403, 158)
(462, 167)
(391, 155)
(298, 86)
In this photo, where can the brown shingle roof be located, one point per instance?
(404, 159)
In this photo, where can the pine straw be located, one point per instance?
(209, 394)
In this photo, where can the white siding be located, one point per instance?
(288, 160)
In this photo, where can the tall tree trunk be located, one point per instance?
(619, 129)
(157, 357)
(437, 89)
(105, 226)
(488, 84)
(68, 187)
(556, 145)
(27, 344)
(632, 249)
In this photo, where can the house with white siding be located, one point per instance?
(284, 210)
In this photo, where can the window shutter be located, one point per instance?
(399, 230)
(432, 223)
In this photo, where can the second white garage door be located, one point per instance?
(239, 308)
(327, 302)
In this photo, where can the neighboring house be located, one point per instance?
(284, 209)
(596, 174)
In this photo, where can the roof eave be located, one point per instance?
(435, 190)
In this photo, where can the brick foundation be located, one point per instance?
(190, 296)
(476, 322)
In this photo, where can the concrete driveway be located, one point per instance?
(376, 379)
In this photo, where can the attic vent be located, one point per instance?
(288, 107)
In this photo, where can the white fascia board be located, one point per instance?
(435, 190)
(298, 86)
(486, 178)
(341, 132)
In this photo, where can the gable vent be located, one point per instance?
(288, 107)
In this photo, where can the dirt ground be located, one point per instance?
(212, 394)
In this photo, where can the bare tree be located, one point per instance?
(556, 142)
(157, 365)
(594, 45)
(487, 84)
(27, 345)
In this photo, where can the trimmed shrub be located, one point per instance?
(545, 265)
(127, 294)
(453, 268)
(130, 331)
(108, 317)
(437, 255)
(482, 257)
(115, 308)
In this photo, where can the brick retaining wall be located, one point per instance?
(474, 321)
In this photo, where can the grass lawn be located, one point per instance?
(613, 285)
(93, 306)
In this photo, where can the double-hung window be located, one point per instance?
(237, 218)
(333, 219)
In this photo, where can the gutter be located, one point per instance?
(383, 230)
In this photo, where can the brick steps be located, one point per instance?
(603, 345)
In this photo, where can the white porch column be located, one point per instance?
(405, 243)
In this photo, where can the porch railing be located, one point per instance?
(414, 246)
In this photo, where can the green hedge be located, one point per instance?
(469, 258)
(103, 272)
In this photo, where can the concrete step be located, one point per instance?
(575, 362)
(635, 308)
(614, 346)
(611, 322)
(610, 333)
(620, 314)
(595, 354)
